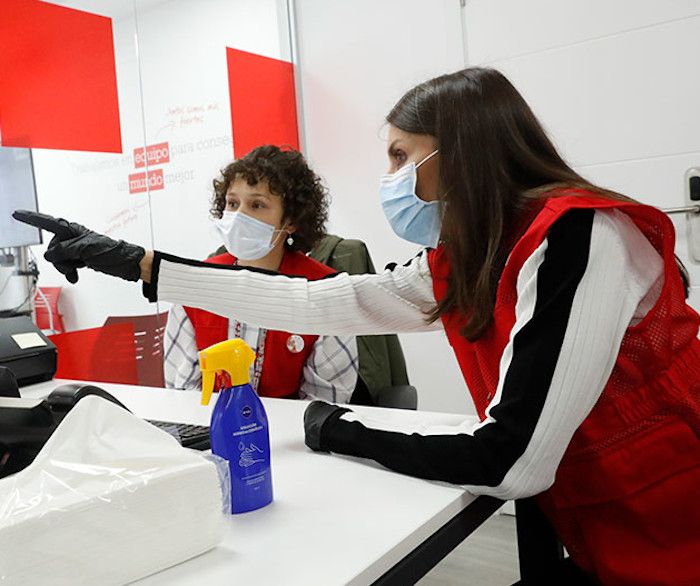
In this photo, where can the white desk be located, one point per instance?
(334, 520)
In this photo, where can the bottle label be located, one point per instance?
(249, 454)
(245, 429)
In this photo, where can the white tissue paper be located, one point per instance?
(108, 500)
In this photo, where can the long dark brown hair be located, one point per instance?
(495, 162)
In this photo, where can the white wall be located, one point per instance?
(357, 58)
(616, 83)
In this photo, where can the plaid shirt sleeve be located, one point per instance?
(180, 361)
(330, 372)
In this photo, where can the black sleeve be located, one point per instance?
(150, 290)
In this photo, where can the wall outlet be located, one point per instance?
(692, 198)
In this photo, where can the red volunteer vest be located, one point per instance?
(282, 366)
(626, 498)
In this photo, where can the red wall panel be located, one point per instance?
(58, 85)
(263, 101)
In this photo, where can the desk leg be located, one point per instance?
(538, 546)
(429, 553)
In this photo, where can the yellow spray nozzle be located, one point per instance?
(232, 356)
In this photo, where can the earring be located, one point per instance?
(290, 240)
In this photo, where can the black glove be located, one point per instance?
(74, 247)
(317, 418)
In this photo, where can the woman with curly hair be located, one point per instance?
(270, 210)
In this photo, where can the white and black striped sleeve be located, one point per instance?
(577, 294)
(396, 300)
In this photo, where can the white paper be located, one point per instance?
(28, 340)
(108, 500)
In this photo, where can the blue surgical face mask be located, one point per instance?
(410, 217)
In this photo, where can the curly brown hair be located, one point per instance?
(304, 197)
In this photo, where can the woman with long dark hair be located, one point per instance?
(563, 303)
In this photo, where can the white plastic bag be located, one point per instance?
(108, 500)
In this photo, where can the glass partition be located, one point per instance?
(129, 109)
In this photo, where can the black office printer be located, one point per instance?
(26, 351)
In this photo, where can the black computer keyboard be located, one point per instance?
(189, 436)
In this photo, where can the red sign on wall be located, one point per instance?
(140, 182)
(156, 154)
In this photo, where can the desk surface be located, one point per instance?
(334, 520)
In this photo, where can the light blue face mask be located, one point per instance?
(245, 237)
(410, 217)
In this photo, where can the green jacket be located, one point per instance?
(380, 358)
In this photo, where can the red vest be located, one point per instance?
(282, 368)
(626, 498)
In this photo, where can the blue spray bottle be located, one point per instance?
(239, 431)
